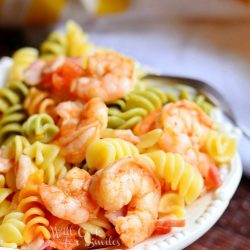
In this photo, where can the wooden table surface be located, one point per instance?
(231, 232)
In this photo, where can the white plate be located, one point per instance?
(201, 215)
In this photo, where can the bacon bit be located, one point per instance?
(165, 225)
(213, 179)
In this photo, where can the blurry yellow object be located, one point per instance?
(172, 204)
(44, 12)
(221, 147)
(110, 6)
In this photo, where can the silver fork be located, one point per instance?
(213, 95)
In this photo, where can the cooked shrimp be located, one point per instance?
(148, 123)
(69, 198)
(187, 118)
(189, 148)
(33, 74)
(111, 76)
(125, 134)
(24, 169)
(79, 126)
(129, 182)
(5, 164)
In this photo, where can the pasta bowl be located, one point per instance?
(202, 214)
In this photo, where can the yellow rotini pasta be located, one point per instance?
(220, 147)
(172, 204)
(22, 59)
(77, 44)
(181, 176)
(102, 152)
(30, 204)
(11, 230)
(148, 142)
(95, 227)
(48, 158)
(4, 193)
(38, 102)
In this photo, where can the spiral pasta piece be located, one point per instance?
(55, 45)
(172, 204)
(11, 230)
(11, 122)
(102, 152)
(48, 158)
(148, 142)
(13, 93)
(22, 59)
(181, 176)
(40, 127)
(149, 99)
(38, 102)
(30, 204)
(126, 113)
(77, 44)
(220, 147)
(4, 193)
(96, 227)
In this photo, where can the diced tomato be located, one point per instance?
(164, 226)
(213, 179)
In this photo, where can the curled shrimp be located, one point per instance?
(185, 129)
(79, 126)
(24, 169)
(125, 134)
(129, 182)
(69, 198)
(111, 76)
(5, 164)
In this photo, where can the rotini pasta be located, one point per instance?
(48, 158)
(4, 193)
(96, 227)
(220, 147)
(77, 44)
(148, 142)
(11, 122)
(126, 113)
(55, 45)
(22, 59)
(102, 152)
(182, 177)
(30, 204)
(11, 230)
(172, 204)
(40, 127)
(12, 94)
(38, 102)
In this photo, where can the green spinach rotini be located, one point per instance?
(11, 122)
(40, 127)
(127, 112)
